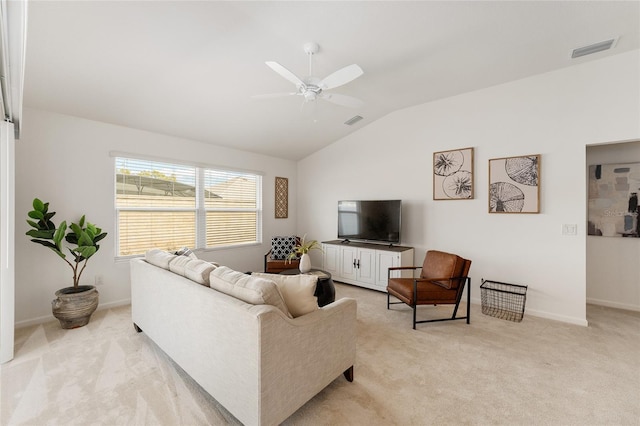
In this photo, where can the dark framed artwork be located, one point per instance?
(453, 174)
(282, 198)
(514, 184)
(613, 200)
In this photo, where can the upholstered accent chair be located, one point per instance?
(275, 261)
(441, 282)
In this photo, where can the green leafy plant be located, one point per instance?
(83, 235)
(304, 248)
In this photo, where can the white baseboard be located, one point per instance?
(556, 317)
(48, 318)
(610, 304)
(547, 315)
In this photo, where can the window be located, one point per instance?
(169, 206)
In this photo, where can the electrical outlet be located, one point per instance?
(98, 280)
(569, 229)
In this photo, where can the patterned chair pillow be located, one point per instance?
(282, 246)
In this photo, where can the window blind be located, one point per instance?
(169, 206)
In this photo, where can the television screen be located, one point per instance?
(370, 220)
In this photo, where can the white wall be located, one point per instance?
(555, 114)
(613, 264)
(65, 160)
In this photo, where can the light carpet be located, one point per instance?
(491, 372)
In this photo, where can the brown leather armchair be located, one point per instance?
(275, 260)
(441, 282)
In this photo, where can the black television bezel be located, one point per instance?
(367, 240)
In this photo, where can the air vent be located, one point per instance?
(353, 120)
(594, 48)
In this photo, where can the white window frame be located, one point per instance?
(200, 210)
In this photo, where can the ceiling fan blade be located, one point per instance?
(340, 77)
(343, 100)
(285, 73)
(274, 95)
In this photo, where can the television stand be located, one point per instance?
(365, 264)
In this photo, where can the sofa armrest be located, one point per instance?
(301, 356)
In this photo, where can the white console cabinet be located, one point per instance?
(363, 264)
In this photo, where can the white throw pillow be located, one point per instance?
(159, 258)
(297, 291)
(254, 290)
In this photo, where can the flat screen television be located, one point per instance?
(370, 220)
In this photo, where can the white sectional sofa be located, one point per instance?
(254, 359)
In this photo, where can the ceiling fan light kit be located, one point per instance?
(313, 88)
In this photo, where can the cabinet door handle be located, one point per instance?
(358, 263)
(354, 263)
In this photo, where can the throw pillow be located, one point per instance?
(297, 290)
(186, 251)
(159, 258)
(281, 247)
(254, 290)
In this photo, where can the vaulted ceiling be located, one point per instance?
(190, 69)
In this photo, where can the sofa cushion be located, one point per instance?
(281, 247)
(159, 258)
(197, 270)
(178, 264)
(297, 291)
(250, 289)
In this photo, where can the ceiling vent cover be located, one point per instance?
(353, 120)
(594, 48)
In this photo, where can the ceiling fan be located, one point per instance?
(312, 88)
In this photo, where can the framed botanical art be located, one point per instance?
(514, 184)
(453, 174)
(282, 198)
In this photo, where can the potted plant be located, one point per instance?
(74, 305)
(302, 250)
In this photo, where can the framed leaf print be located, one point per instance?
(453, 174)
(514, 184)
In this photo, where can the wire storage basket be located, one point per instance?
(503, 300)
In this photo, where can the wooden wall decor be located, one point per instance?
(282, 198)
